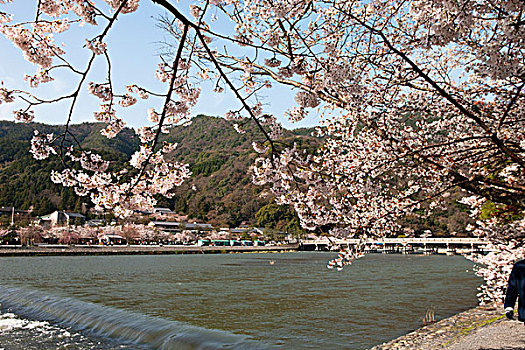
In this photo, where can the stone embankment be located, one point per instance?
(138, 249)
(481, 328)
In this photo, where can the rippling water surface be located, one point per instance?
(233, 301)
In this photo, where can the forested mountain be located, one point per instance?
(220, 190)
(25, 182)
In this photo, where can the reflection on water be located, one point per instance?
(294, 303)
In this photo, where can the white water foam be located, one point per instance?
(9, 321)
(17, 333)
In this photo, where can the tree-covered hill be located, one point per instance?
(25, 182)
(220, 190)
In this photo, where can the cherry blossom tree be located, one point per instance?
(142, 233)
(504, 230)
(131, 233)
(218, 235)
(64, 234)
(30, 234)
(432, 95)
(418, 97)
(185, 236)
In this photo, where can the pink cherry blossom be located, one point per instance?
(96, 46)
(24, 116)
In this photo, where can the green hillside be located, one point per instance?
(219, 158)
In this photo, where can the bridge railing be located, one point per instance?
(401, 241)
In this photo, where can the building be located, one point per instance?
(173, 226)
(62, 218)
(10, 210)
(96, 222)
(162, 211)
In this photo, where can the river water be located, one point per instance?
(228, 301)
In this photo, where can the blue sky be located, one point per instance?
(133, 43)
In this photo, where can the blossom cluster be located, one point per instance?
(37, 46)
(296, 114)
(5, 18)
(98, 47)
(40, 146)
(127, 100)
(163, 72)
(105, 114)
(108, 192)
(6, 96)
(115, 126)
(146, 134)
(102, 91)
(142, 93)
(495, 268)
(129, 6)
(41, 76)
(92, 162)
(24, 116)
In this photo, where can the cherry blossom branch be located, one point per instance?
(234, 90)
(509, 106)
(166, 102)
(441, 91)
(74, 96)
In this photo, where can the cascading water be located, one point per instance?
(122, 326)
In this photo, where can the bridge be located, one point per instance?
(448, 245)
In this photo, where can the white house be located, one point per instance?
(62, 218)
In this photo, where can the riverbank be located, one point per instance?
(54, 250)
(483, 327)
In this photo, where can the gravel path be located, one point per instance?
(501, 335)
(481, 328)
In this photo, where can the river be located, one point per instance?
(227, 301)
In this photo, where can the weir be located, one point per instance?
(124, 327)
